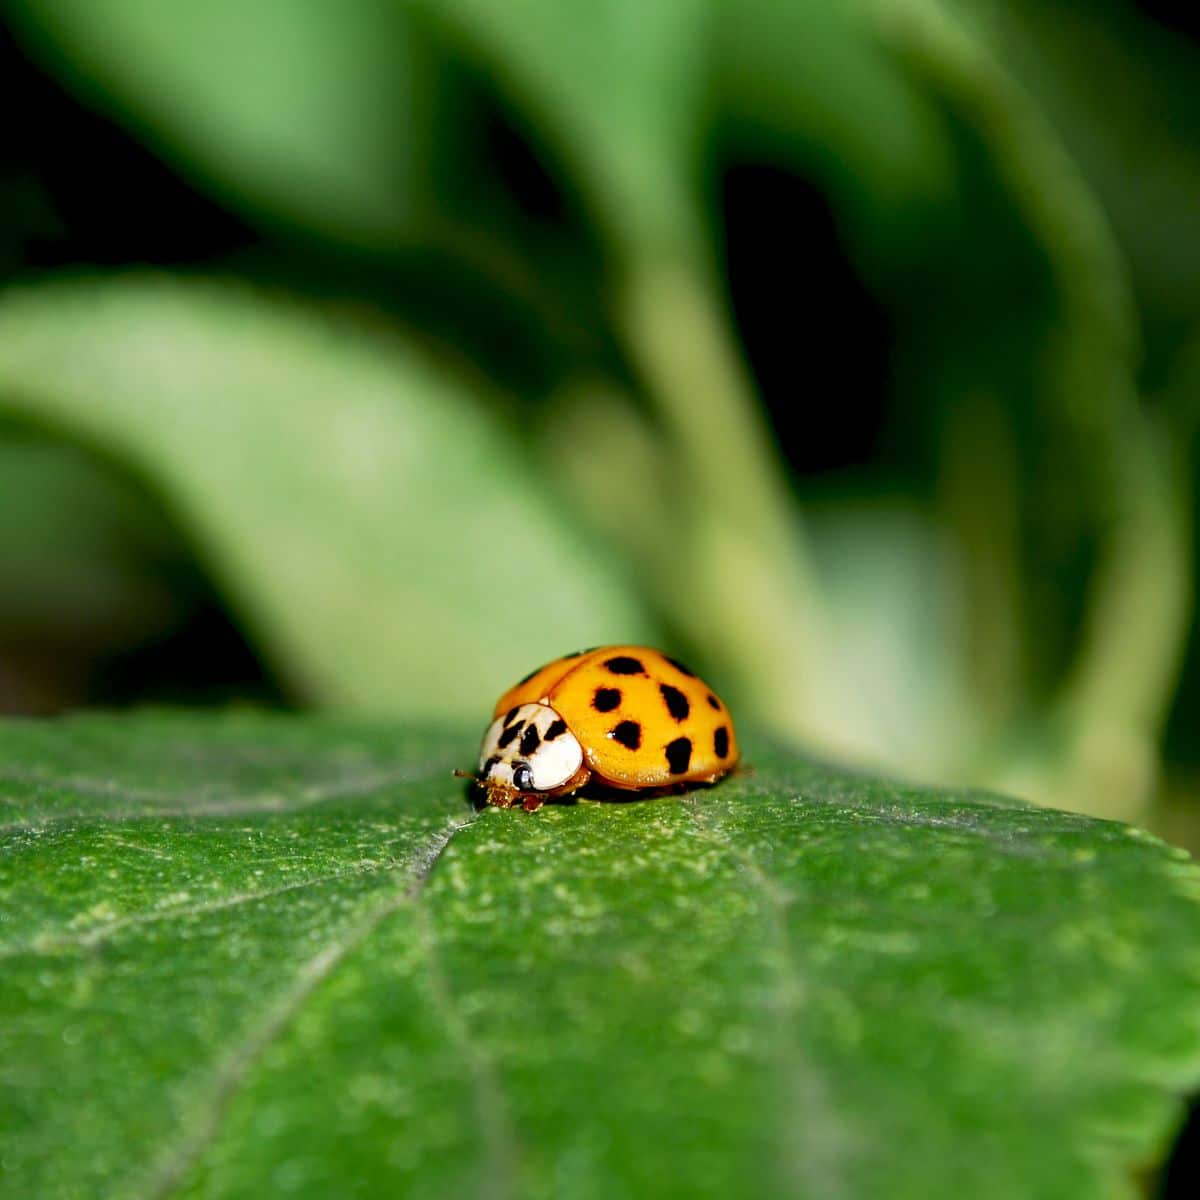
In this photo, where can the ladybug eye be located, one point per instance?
(522, 777)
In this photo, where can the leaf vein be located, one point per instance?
(49, 944)
(813, 1161)
(232, 1075)
(276, 802)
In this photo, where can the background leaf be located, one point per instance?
(321, 132)
(252, 953)
(84, 564)
(368, 157)
(384, 539)
(1141, 157)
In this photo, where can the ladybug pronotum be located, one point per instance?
(627, 717)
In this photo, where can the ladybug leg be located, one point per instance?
(532, 802)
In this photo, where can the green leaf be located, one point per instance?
(1143, 169)
(83, 558)
(386, 542)
(304, 111)
(251, 955)
(811, 86)
(617, 84)
(909, 654)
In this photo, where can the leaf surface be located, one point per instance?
(270, 955)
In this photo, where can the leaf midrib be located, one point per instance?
(174, 1164)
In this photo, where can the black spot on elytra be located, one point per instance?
(510, 734)
(679, 754)
(511, 715)
(679, 666)
(624, 665)
(713, 702)
(628, 733)
(522, 777)
(530, 739)
(556, 728)
(606, 699)
(486, 769)
(677, 702)
(721, 742)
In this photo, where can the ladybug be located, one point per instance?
(628, 717)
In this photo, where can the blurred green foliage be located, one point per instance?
(482, 371)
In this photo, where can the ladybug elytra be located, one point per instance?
(627, 717)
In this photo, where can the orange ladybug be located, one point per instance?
(628, 717)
